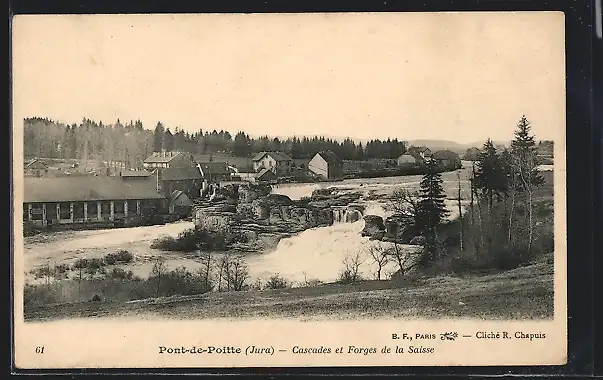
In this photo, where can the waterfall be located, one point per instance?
(345, 215)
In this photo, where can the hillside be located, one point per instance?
(522, 293)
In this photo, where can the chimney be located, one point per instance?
(158, 179)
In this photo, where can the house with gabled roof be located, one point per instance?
(35, 168)
(265, 176)
(410, 159)
(327, 165)
(447, 159)
(189, 180)
(421, 150)
(162, 160)
(278, 162)
(215, 172)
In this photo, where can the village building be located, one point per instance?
(410, 159)
(88, 200)
(35, 168)
(215, 172)
(134, 174)
(421, 150)
(179, 203)
(278, 162)
(265, 176)
(326, 165)
(237, 162)
(185, 179)
(301, 163)
(472, 154)
(162, 160)
(245, 174)
(447, 159)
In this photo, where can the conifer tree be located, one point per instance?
(525, 174)
(525, 157)
(431, 207)
(158, 137)
(490, 177)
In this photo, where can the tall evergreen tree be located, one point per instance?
(525, 157)
(158, 137)
(168, 141)
(490, 177)
(241, 147)
(431, 207)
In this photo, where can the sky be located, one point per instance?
(451, 76)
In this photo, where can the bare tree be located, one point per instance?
(238, 274)
(380, 255)
(223, 271)
(403, 258)
(405, 203)
(158, 272)
(206, 270)
(351, 268)
(458, 176)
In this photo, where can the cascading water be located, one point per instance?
(345, 215)
(319, 254)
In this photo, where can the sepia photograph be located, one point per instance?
(298, 168)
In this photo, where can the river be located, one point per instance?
(315, 254)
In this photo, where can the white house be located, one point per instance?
(277, 162)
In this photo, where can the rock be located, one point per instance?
(278, 199)
(357, 206)
(220, 217)
(260, 209)
(250, 236)
(275, 215)
(323, 192)
(417, 240)
(373, 226)
(247, 194)
(269, 241)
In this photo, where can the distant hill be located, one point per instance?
(451, 145)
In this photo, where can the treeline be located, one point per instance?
(131, 143)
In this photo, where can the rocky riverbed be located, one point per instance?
(261, 219)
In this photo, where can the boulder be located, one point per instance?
(373, 226)
(260, 209)
(278, 199)
(252, 192)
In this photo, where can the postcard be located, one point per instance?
(282, 190)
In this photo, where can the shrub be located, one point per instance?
(122, 257)
(277, 282)
(179, 281)
(119, 273)
(39, 295)
(194, 239)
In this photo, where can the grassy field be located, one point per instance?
(522, 293)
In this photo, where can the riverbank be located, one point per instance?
(518, 294)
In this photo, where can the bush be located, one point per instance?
(347, 276)
(119, 273)
(277, 282)
(194, 239)
(121, 257)
(39, 295)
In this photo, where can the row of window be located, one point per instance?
(63, 209)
